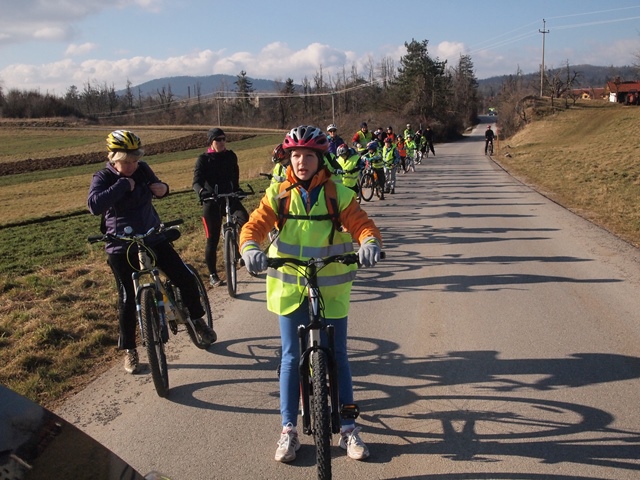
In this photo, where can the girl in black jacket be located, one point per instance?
(218, 167)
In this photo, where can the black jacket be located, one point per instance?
(216, 168)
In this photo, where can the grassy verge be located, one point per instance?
(58, 326)
(585, 159)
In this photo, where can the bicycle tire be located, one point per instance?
(320, 414)
(230, 263)
(367, 186)
(154, 345)
(204, 299)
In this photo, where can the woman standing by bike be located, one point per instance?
(310, 232)
(217, 171)
(122, 193)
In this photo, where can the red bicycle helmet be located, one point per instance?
(306, 136)
(278, 154)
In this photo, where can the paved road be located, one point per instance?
(500, 339)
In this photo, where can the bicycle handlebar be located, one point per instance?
(131, 237)
(239, 194)
(346, 258)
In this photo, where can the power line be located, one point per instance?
(227, 95)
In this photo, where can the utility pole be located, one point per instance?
(543, 32)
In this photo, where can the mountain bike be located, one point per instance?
(230, 233)
(388, 186)
(154, 293)
(367, 182)
(489, 149)
(409, 163)
(319, 398)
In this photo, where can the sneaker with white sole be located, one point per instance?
(353, 444)
(131, 362)
(288, 444)
(215, 281)
(207, 334)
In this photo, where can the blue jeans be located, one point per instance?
(289, 375)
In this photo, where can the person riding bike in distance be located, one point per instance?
(362, 138)
(281, 161)
(489, 135)
(122, 193)
(374, 156)
(310, 231)
(351, 165)
(428, 136)
(391, 159)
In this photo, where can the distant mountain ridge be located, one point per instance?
(590, 76)
(186, 86)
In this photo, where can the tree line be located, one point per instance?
(421, 89)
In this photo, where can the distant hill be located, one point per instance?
(590, 76)
(187, 86)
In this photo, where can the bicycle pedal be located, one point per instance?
(173, 326)
(349, 411)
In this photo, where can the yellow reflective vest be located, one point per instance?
(306, 238)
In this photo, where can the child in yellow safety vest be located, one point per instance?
(411, 147)
(310, 232)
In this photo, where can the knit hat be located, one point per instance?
(213, 133)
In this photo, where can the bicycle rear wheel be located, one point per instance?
(230, 249)
(320, 414)
(153, 339)
(367, 187)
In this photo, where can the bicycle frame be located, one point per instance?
(162, 293)
(155, 281)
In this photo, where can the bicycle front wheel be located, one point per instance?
(230, 249)
(151, 332)
(320, 414)
(367, 186)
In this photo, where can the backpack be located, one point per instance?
(331, 198)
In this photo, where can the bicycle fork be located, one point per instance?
(305, 367)
(155, 285)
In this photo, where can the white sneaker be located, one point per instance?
(353, 444)
(131, 362)
(288, 444)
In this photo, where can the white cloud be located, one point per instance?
(449, 51)
(276, 60)
(74, 50)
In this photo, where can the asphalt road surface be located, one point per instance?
(500, 339)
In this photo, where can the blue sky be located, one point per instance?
(48, 45)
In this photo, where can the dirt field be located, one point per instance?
(187, 142)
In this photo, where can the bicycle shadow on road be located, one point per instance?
(491, 427)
